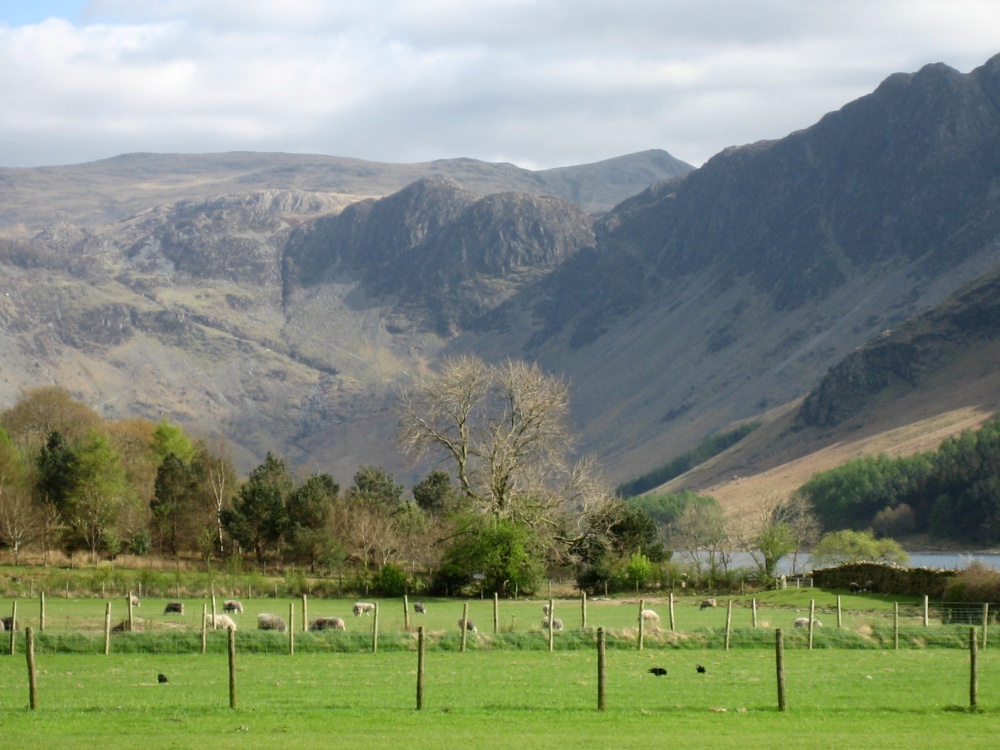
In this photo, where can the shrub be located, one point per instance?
(391, 581)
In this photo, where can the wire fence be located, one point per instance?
(93, 626)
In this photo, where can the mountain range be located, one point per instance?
(838, 284)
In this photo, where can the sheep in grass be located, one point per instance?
(469, 625)
(854, 587)
(557, 624)
(708, 604)
(803, 622)
(270, 622)
(7, 624)
(545, 610)
(419, 608)
(174, 608)
(648, 615)
(220, 621)
(232, 605)
(327, 623)
(362, 608)
(133, 600)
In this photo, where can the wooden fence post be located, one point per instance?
(812, 621)
(973, 670)
(41, 611)
(420, 668)
(729, 622)
(895, 625)
(642, 606)
(232, 668)
(305, 614)
(29, 635)
(927, 611)
(753, 612)
(496, 612)
(107, 628)
(465, 624)
(204, 628)
(13, 628)
(602, 675)
(291, 628)
(552, 619)
(583, 610)
(406, 613)
(986, 622)
(779, 658)
(375, 630)
(214, 618)
(670, 603)
(130, 621)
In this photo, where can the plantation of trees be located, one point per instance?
(951, 493)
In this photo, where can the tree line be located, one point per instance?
(950, 493)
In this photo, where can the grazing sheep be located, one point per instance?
(419, 608)
(327, 623)
(469, 625)
(231, 605)
(557, 624)
(869, 586)
(121, 627)
(270, 622)
(700, 669)
(221, 621)
(649, 615)
(7, 623)
(362, 608)
(545, 610)
(133, 600)
(658, 671)
(174, 608)
(162, 679)
(803, 622)
(708, 604)
(854, 587)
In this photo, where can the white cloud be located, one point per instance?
(537, 82)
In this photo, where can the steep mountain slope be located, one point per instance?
(900, 394)
(711, 297)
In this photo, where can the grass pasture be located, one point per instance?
(504, 699)
(77, 624)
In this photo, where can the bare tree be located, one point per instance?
(702, 535)
(19, 520)
(503, 427)
(782, 527)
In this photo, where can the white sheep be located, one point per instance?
(232, 605)
(649, 615)
(469, 625)
(803, 622)
(220, 621)
(267, 621)
(362, 608)
(557, 624)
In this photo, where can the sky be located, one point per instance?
(538, 83)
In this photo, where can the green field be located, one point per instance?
(505, 699)
(507, 690)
